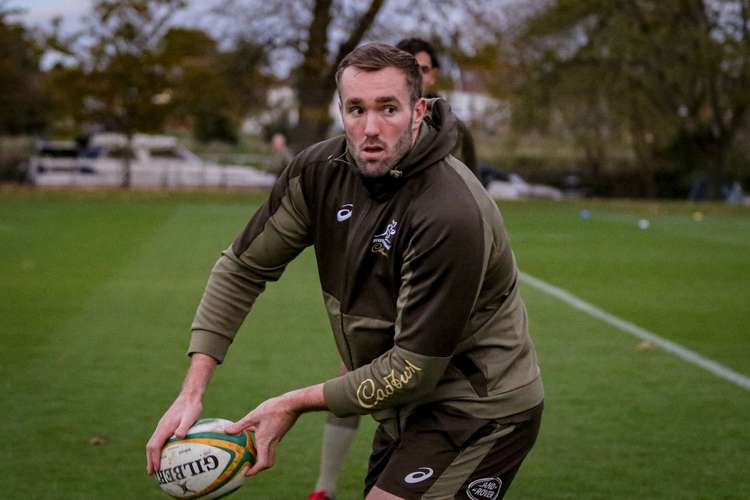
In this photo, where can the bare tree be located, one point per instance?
(308, 38)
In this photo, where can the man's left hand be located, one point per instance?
(272, 419)
(269, 422)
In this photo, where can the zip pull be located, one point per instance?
(396, 173)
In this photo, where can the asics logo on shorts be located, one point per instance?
(422, 474)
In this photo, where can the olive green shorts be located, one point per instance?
(444, 453)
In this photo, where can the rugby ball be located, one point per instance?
(206, 463)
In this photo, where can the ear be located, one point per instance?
(420, 110)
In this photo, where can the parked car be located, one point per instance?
(155, 161)
(511, 186)
(55, 162)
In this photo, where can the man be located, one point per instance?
(423, 297)
(339, 433)
(429, 65)
(282, 155)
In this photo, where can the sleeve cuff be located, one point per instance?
(334, 392)
(209, 343)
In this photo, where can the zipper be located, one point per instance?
(347, 267)
(344, 339)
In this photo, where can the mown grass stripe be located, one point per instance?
(681, 352)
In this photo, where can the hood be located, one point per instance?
(437, 138)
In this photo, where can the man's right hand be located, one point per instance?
(184, 411)
(177, 420)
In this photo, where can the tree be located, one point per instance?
(315, 77)
(196, 91)
(307, 39)
(210, 88)
(22, 102)
(313, 36)
(126, 88)
(674, 74)
(132, 69)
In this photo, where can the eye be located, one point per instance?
(354, 110)
(390, 110)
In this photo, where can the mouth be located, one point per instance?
(372, 152)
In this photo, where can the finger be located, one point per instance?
(154, 446)
(234, 428)
(153, 455)
(258, 467)
(246, 423)
(149, 464)
(266, 457)
(182, 429)
(152, 459)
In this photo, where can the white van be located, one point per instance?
(156, 161)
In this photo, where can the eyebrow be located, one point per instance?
(378, 100)
(385, 99)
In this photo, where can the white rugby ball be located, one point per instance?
(206, 463)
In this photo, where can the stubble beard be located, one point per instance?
(403, 145)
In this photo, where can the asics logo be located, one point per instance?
(422, 474)
(344, 212)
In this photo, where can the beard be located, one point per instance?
(382, 166)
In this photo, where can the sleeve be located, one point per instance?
(440, 278)
(275, 235)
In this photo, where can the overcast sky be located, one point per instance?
(41, 12)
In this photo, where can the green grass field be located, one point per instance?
(97, 292)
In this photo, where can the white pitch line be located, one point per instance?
(681, 352)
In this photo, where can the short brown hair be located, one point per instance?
(377, 56)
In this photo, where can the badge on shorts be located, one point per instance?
(487, 488)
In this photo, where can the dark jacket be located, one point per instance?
(465, 149)
(419, 280)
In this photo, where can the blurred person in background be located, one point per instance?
(282, 155)
(429, 65)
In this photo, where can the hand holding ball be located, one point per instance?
(206, 463)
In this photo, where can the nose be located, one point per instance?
(372, 125)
